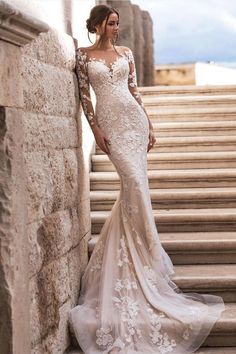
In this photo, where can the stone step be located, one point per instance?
(191, 114)
(174, 198)
(175, 160)
(215, 350)
(187, 90)
(195, 129)
(191, 143)
(182, 220)
(195, 247)
(196, 101)
(216, 279)
(192, 178)
(203, 350)
(222, 334)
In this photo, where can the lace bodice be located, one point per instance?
(106, 79)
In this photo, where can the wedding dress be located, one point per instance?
(128, 303)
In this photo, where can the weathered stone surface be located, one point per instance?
(84, 218)
(54, 235)
(10, 71)
(47, 89)
(149, 73)
(49, 132)
(45, 183)
(78, 259)
(35, 252)
(54, 290)
(14, 302)
(49, 289)
(53, 47)
(58, 340)
(71, 177)
(138, 43)
(52, 182)
(81, 222)
(47, 148)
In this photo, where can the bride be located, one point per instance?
(128, 303)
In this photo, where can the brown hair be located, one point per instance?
(98, 14)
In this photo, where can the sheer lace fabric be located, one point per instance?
(128, 303)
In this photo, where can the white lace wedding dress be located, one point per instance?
(128, 303)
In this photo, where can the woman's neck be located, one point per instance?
(104, 44)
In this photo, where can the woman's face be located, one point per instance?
(112, 27)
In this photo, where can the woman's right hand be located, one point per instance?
(101, 139)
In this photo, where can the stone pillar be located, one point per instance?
(14, 280)
(148, 63)
(138, 43)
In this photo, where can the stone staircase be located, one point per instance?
(192, 179)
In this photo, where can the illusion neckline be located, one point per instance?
(103, 61)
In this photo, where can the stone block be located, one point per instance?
(49, 289)
(48, 89)
(57, 340)
(54, 235)
(84, 218)
(35, 260)
(43, 132)
(14, 301)
(45, 184)
(10, 74)
(78, 260)
(71, 177)
(54, 47)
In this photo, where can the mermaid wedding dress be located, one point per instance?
(128, 303)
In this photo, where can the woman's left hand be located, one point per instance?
(152, 140)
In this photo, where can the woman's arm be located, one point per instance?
(85, 98)
(84, 86)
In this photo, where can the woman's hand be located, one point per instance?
(152, 140)
(101, 139)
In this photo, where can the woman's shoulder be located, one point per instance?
(123, 49)
(85, 49)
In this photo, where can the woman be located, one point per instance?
(128, 303)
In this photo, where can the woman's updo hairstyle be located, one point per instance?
(98, 14)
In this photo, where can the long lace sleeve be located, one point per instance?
(84, 86)
(132, 80)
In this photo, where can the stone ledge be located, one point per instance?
(18, 28)
(187, 90)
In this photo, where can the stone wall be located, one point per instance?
(57, 195)
(44, 193)
(136, 32)
(175, 74)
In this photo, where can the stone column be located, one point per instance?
(148, 63)
(16, 29)
(138, 43)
